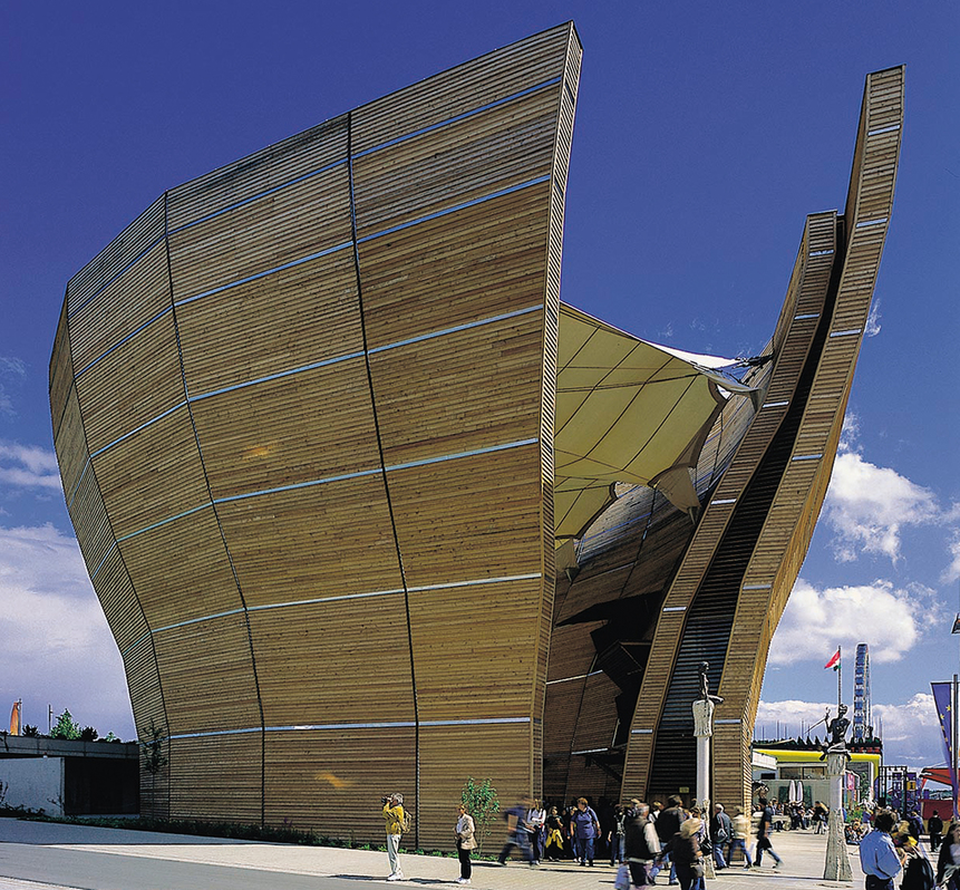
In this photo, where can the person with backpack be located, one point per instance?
(917, 870)
(641, 846)
(396, 823)
(721, 831)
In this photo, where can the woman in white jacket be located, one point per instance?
(465, 843)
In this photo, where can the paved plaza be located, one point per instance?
(31, 853)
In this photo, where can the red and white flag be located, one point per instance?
(834, 662)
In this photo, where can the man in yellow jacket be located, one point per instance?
(394, 818)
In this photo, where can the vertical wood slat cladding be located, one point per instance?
(255, 460)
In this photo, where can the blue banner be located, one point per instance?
(941, 698)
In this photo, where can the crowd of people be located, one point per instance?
(644, 839)
(893, 851)
(647, 840)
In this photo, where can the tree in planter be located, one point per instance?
(481, 801)
(152, 755)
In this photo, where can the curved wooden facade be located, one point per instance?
(304, 413)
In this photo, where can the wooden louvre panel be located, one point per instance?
(788, 529)
(792, 341)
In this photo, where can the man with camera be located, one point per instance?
(395, 820)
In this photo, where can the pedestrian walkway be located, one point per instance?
(802, 853)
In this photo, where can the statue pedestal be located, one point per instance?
(703, 730)
(837, 864)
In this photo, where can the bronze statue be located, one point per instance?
(705, 685)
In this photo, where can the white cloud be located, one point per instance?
(952, 572)
(55, 646)
(28, 466)
(911, 731)
(868, 506)
(9, 367)
(873, 320)
(816, 621)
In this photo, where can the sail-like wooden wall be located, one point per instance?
(303, 408)
(304, 413)
(733, 584)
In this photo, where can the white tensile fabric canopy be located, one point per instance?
(627, 411)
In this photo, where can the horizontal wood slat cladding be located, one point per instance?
(332, 780)
(367, 681)
(493, 150)
(430, 406)
(229, 770)
(197, 584)
(489, 78)
(152, 476)
(290, 319)
(111, 411)
(478, 263)
(497, 536)
(465, 670)
(61, 372)
(321, 541)
(450, 755)
(302, 526)
(270, 168)
(333, 434)
(223, 695)
(70, 443)
(106, 319)
(123, 251)
(302, 219)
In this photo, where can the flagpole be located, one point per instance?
(839, 675)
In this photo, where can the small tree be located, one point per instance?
(481, 801)
(65, 727)
(152, 755)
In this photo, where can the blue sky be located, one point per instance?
(705, 133)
